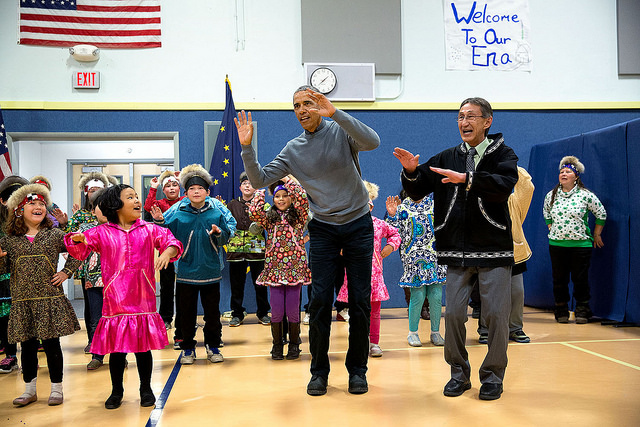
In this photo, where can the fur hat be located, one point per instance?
(41, 179)
(372, 189)
(195, 174)
(572, 160)
(112, 180)
(98, 176)
(11, 184)
(21, 193)
(243, 177)
(167, 174)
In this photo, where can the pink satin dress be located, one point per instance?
(129, 323)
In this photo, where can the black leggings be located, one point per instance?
(9, 349)
(117, 363)
(29, 359)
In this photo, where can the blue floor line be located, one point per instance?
(155, 415)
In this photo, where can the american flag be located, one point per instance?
(5, 162)
(102, 23)
(226, 162)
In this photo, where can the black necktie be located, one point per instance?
(471, 166)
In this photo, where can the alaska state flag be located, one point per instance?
(226, 161)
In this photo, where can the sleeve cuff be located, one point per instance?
(410, 176)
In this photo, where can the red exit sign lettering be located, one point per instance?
(86, 79)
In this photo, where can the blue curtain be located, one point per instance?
(610, 171)
(632, 309)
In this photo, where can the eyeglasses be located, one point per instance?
(469, 118)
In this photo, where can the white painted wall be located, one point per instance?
(573, 43)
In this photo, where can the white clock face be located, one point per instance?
(324, 80)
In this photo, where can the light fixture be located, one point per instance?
(84, 53)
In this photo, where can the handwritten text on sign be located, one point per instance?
(487, 35)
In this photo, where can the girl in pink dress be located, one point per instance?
(129, 322)
(379, 293)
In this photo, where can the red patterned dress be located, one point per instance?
(285, 256)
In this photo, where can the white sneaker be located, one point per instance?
(414, 340)
(343, 315)
(305, 321)
(214, 355)
(436, 339)
(375, 350)
(188, 357)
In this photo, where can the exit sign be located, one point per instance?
(86, 79)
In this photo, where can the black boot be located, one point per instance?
(561, 313)
(276, 333)
(294, 341)
(583, 312)
(285, 328)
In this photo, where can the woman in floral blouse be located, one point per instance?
(566, 209)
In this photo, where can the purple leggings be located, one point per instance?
(285, 297)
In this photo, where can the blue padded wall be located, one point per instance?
(423, 132)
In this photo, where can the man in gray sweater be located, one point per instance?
(324, 159)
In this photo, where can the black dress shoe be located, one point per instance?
(358, 384)
(456, 388)
(317, 386)
(490, 391)
(113, 402)
(147, 398)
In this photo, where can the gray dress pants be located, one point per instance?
(495, 297)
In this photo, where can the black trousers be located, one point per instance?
(188, 309)
(339, 305)
(355, 240)
(237, 277)
(29, 359)
(167, 290)
(570, 263)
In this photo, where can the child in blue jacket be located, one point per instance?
(203, 227)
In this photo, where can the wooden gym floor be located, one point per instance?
(582, 375)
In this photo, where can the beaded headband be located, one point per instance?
(169, 178)
(39, 181)
(278, 188)
(93, 183)
(31, 197)
(572, 167)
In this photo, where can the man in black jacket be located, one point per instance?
(471, 183)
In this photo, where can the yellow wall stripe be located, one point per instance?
(374, 106)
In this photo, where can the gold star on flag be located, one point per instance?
(226, 148)
(221, 128)
(215, 182)
(225, 174)
(226, 161)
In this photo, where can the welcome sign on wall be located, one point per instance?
(487, 35)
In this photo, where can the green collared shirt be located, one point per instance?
(480, 149)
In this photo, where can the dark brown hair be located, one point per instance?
(16, 226)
